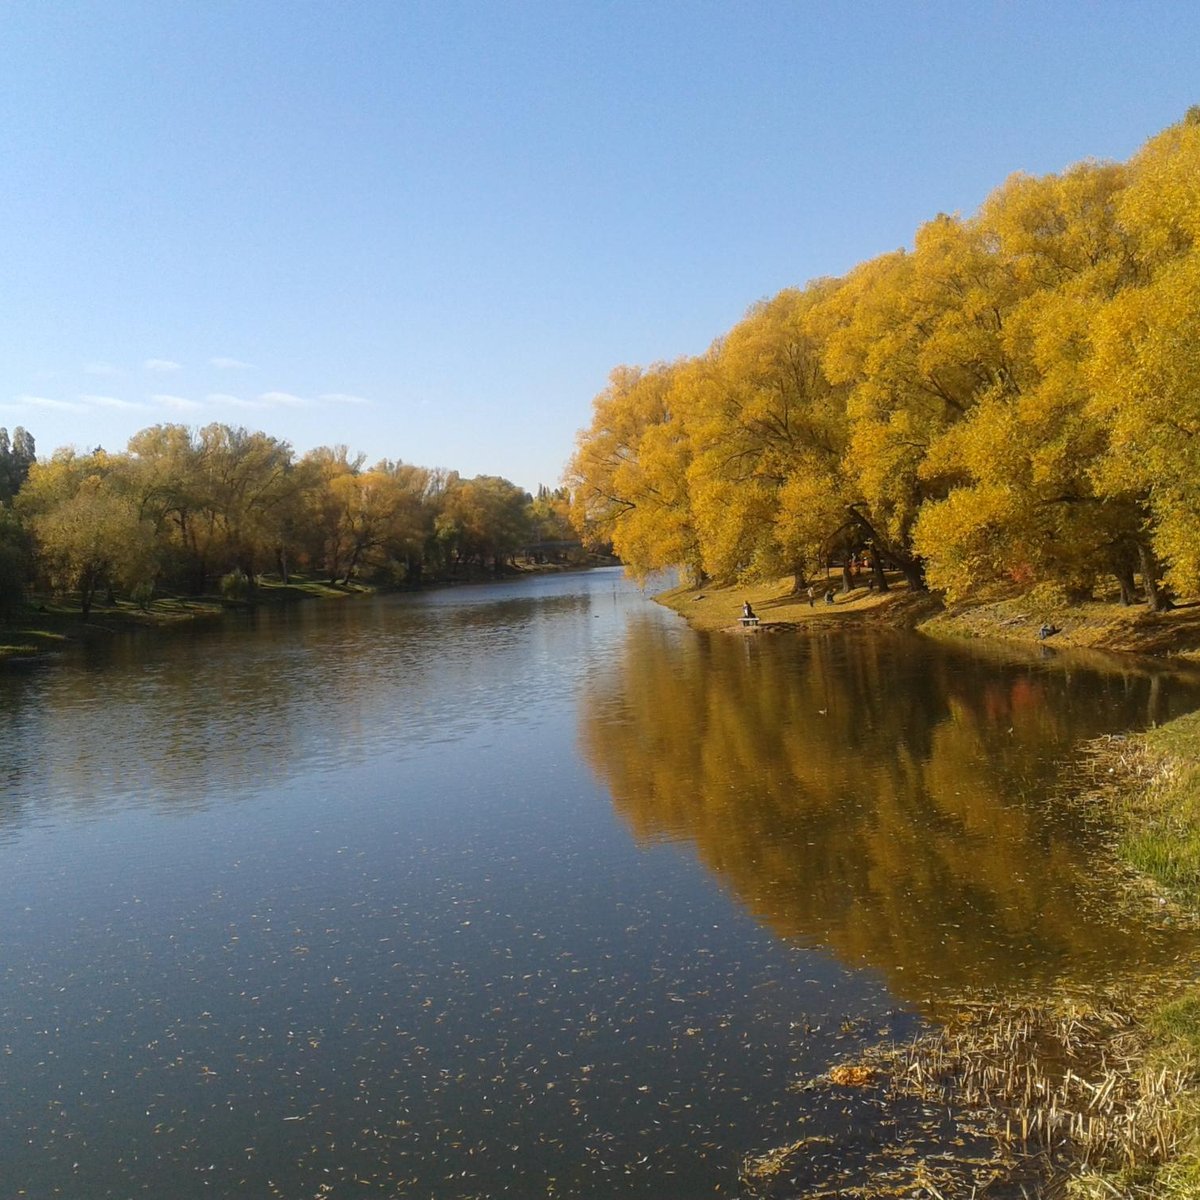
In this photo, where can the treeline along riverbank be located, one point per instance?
(1013, 401)
(186, 522)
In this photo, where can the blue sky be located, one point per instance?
(429, 230)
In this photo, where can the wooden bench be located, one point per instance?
(748, 622)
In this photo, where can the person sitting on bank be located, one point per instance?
(748, 613)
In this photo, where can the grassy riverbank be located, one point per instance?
(1103, 624)
(1079, 1096)
(780, 609)
(1150, 784)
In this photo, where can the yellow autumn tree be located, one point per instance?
(628, 475)
(1020, 463)
(768, 435)
(917, 339)
(1013, 399)
(1145, 373)
(87, 529)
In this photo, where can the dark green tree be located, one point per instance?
(16, 457)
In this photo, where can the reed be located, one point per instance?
(1074, 1087)
(1062, 1091)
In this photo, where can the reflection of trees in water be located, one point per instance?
(201, 715)
(19, 753)
(886, 797)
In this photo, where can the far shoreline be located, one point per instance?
(43, 628)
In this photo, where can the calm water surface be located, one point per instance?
(520, 890)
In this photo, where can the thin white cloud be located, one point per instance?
(342, 398)
(100, 368)
(182, 403)
(110, 402)
(231, 364)
(52, 404)
(231, 401)
(161, 364)
(283, 400)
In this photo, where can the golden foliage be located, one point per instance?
(1015, 397)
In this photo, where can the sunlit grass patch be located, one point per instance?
(1179, 1023)
(1160, 807)
(1153, 785)
(20, 642)
(301, 587)
(779, 606)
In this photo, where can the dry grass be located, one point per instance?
(1072, 1086)
(780, 609)
(999, 615)
(1061, 1091)
(1102, 624)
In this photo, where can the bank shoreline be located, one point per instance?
(1016, 617)
(44, 627)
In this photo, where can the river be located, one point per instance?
(523, 889)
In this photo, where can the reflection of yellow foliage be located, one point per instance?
(883, 797)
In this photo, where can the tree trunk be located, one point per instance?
(1127, 584)
(847, 581)
(87, 590)
(247, 568)
(910, 567)
(881, 583)
(1157, 599)
(1154, 701)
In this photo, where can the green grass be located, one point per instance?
(1160, 810)
(1175, 1028)
(1178, 1024)
(1162, 816)
(270, 590)
(29, 632)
